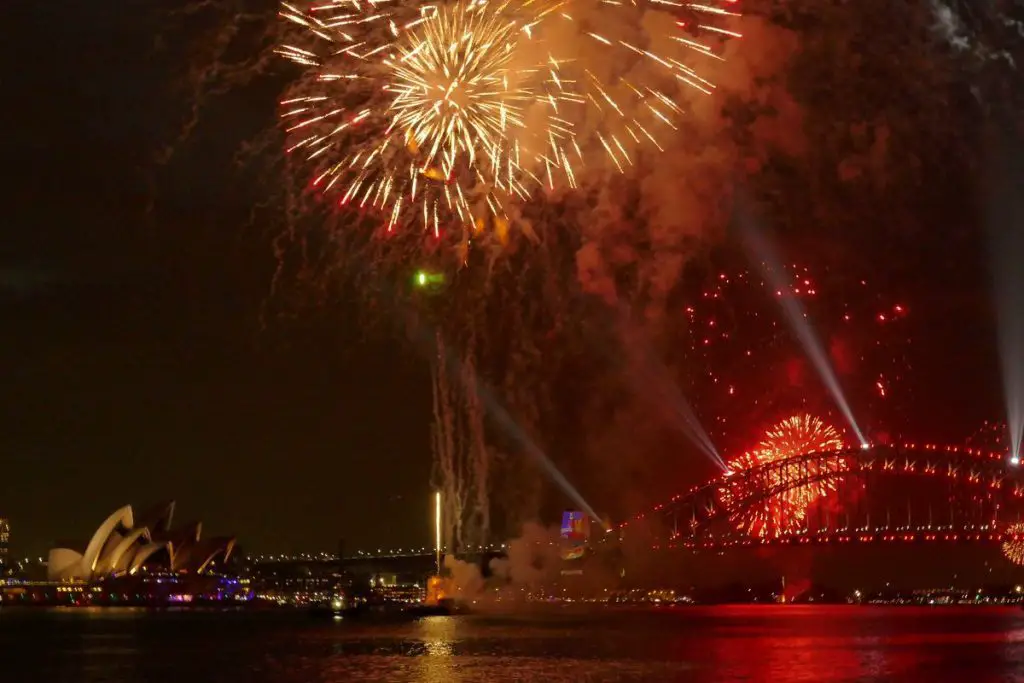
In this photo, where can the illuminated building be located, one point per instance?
(411, 593)
(5, 540)
(299, 581)
(126, 545)
(574, 534)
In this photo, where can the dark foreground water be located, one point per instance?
(778, 644)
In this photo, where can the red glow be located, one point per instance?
(795, 372)
(784, 512)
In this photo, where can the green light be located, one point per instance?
(427, 279)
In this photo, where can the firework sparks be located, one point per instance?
(447, 112)
(1013, 548)
(785, 512)
(990, 437)
(743, 362)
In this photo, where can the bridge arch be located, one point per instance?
(985, 494)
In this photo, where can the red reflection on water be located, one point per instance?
(796, 643)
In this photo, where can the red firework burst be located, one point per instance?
(784, 512)
(743, 363)
(1013, 548)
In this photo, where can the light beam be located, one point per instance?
(511, 428)
(764, 256)
(651, 375)
(1006, 243)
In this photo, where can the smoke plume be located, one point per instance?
(532, 562)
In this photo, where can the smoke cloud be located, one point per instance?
(657, 216)
(532, 562)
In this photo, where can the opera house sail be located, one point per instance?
(126, 543)
(5, 538)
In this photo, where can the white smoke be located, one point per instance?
(669, 202)
(532, 561)
(960, 24)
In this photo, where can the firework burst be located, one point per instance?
(1013, 548)
(785, 512)
(445, 113)
(742, 364)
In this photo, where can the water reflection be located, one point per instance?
(779, 644)
(438, 634)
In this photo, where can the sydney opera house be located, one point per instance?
(126, 544)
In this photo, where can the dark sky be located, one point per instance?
(134, 366)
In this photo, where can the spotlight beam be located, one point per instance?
(762, 253)
(650, 377)
(508, 425)
(1006, 244)
(646, 374)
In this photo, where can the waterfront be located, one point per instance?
(741, 643)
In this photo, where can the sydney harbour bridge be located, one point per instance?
(908, 496)
(890, 493)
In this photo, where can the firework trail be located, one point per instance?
(447, 113)
(461, 458)
(784, 512)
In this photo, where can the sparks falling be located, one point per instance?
(1013, 548)
(443, 114)
(747, 367)
(785, 512)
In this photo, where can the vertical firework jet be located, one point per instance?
(452, 110)
(785, 511)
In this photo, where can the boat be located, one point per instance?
(443, 608)
(337, 606)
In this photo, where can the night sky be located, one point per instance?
(135, 367)
(138, 364)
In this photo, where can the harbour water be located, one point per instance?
(782, 644)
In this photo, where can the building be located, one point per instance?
(125, 544)
(298, 581)
(5, 542)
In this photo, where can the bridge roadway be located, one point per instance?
(413, 566)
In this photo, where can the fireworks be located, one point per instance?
(992, 436)
(785, 512)
(1013, 548)
(744, 363)
(452, 110)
